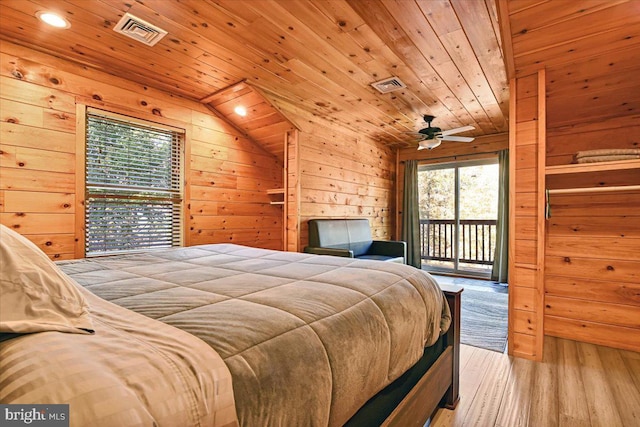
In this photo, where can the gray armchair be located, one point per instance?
(352, 238)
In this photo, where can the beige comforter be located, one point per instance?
(134, 371)
(308, 339)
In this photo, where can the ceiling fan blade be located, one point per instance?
(429, 144)
(457, 130)
(416, 135)
(455, 138)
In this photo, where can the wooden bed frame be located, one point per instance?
(439, 385)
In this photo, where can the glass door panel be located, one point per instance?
(458, 209)
(437, 216)
(478, 198)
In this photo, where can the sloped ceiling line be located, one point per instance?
(319, 55)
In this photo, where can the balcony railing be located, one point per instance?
(476, 244)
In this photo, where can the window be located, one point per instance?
(458, 215)
(133, 184)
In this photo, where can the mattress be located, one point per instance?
(308, 339)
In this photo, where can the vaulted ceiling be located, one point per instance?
(321, 55)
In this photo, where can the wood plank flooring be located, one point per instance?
(576, 384)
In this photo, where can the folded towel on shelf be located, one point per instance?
(609, 152)
(607, 155)
(610, 158)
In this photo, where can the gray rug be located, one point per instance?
(484, 320)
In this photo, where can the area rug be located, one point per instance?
(484, 319)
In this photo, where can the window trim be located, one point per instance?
(133, 120)
(161, 123)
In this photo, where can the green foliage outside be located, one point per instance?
(478, 192)
(478, 195)
(133, 187)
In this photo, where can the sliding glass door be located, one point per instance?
(458, 212)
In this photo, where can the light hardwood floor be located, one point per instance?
(576, 384)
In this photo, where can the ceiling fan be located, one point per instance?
(431, 137)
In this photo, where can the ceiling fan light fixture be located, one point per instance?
(429, 144)
(432, 136)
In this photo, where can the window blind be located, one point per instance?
(133, 186)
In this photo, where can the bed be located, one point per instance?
(237, 335)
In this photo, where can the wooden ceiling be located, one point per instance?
(263, 122)
(320, 55)
(591, 52)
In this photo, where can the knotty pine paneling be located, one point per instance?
(602, 268)
(618, 247)
(593, 332)
(523, 298)
(594, 226)
(292, 189)
(525, 276)
(589, 56)
(564, 142)
(524, 322)
(524, 345)
(592, 273)
(610, 178)
(525, 229)
(263, 123)
(525, 204)
(320, 55)
(588, 49)
(227, 178)
(613, 291)
(604, 313)
(342, 174)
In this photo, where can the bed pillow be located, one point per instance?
(35, 296)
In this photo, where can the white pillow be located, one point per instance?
(35, 295)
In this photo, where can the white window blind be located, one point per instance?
(133, 186)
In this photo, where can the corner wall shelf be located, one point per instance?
(278, 194)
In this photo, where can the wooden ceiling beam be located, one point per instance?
(224, 92)
(505, 35)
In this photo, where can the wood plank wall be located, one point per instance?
(292, 195)
(228, 175)
(340, 174)
(344, 175)
(592, 274)
(526, 230)
(565, 141)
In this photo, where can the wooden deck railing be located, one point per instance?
(476, 246)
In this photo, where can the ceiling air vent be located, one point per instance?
(389, 85)
(138, 29)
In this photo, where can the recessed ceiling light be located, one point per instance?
(53, 19)
(240, 110)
